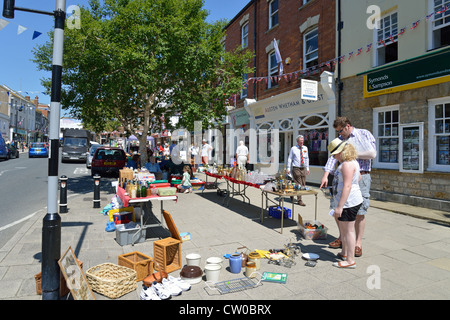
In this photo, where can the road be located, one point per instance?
(23, 186)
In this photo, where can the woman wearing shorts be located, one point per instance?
(347, 199)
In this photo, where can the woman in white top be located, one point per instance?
(347, 198)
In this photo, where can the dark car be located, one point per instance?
(3, 149)
(108, 161)
(13, 152)
(38, 149)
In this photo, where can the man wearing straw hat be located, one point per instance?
(365, 145)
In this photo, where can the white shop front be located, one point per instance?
(282, 118)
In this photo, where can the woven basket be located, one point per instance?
(111, 280)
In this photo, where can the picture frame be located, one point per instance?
(75, 278)
(412, 147)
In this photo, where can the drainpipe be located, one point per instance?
(339, 84)
(255, 96)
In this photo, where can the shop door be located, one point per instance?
(286, 140)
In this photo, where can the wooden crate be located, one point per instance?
(125, 173)
(167, 254)
(139, 262)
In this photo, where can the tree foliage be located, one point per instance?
(139, 62)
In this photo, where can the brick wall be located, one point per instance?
(292, 14)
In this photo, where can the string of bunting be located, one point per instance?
(20, 29)
(331, 63)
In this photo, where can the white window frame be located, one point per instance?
(386, 35)
(403, 142)
(273, 70)
(431, 22)
(432, 161)
(377, 163)
(244, 35)
(271, 14)
(305, 48)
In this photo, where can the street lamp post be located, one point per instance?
(51, 230)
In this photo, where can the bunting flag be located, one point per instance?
(36, 34)
(21, 29)
(3, 23)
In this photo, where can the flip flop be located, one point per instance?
(339, 265)
(341, 256)
(358, 251)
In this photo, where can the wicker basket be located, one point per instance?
(142, 264)
(111, 280)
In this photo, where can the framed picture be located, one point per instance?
(75, 279)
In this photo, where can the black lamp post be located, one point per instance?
(51, 230)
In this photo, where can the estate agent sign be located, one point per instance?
(411, 74)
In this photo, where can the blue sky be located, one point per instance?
(16, 69)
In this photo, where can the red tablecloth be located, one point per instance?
(125, 198)
(213, 175)
(241, 182)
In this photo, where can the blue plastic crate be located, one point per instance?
(276, 213)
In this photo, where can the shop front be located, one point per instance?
(275, 123)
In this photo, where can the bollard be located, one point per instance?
(63, 194)
(97, 191)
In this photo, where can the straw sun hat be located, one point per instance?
(336, 146)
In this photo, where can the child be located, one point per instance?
(186, 181)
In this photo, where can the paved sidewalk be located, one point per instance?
(409, 256)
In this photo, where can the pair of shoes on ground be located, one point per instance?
(161, 291)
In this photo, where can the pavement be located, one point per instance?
(404, 257)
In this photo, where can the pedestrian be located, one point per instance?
(299, 161)
(193, 150)
(166, 151)
(186, 180)
(365, 145)
(347, 198)
(134, 162)
(153, 167)
(206, 148)
(242, 155)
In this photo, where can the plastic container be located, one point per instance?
(313, 234)
(126, 236)
(276, 213)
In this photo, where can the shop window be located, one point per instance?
(244, 35)
(386, 133)
(411, 151)
(264, 144)
(439, 135)
(387, 40)
(314, 128)
(311, 48)
(440, 23)
(273, 13)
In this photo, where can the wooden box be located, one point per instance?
(167, 254)
(125, 173)
(139, 262)
(63, 289)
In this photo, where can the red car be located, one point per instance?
(108, 161)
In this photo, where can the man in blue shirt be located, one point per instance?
(154, 168)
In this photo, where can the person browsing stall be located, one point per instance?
(299, 161)
(242, 155)
(153, 167)
(365, 145)
(347, 198)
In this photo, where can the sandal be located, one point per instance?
(339, 265)
(336, 244)
(358, 252)
(341, 256)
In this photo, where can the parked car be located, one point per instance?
(13, 152)
(108, 161)
(3, 149)
(92, 150)
(38, 149)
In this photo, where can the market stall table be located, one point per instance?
(281, 196)
(213, 175)
(237, 191)
(141, 202)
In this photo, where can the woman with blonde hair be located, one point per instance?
(347, 198)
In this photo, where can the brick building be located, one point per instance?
(305, 33)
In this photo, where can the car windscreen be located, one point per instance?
(93, 149)
(75, 142)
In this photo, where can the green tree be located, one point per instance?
(140, 62)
